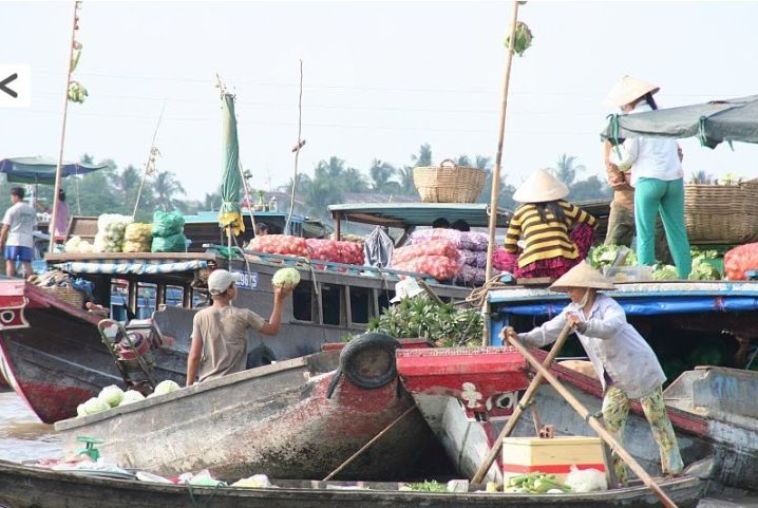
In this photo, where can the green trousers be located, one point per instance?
(653, 196)
(621, 232)
(615, 412)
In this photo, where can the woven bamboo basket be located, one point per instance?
(67, 294)
(722, 214)
(448, 183)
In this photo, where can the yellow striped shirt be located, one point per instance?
(545, 240)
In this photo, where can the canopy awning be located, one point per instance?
(712, 122)
(137, 267)
(42, 169)
(404, 215)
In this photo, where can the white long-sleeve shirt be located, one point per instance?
(651, 157)
(612, 344)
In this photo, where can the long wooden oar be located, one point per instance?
(520, 407)
(596, 425)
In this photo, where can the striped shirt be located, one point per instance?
(545, 240)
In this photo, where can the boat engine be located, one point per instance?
(132, 347)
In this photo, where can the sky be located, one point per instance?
(380, 79)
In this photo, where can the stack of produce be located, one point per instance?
(168, 232)
(110, 232)
(285, 245)
(75, 245)
(702, 267)
(603, 256)
(422, 317)
(740, 259)
(112, 396)
(350, 253)
(138, 237)
(436, 258)
(471, 246)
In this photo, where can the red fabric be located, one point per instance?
(582, 235)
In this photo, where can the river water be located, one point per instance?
(23, 438)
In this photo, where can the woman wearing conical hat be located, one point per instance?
(657, 178)
(556, 234)
(624, 362)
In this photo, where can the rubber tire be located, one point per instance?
(358, 345)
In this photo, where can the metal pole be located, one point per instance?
(498, 158)
(53, 216)
(298, 147)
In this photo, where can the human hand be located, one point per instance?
(507, 333)
(575, 322)
(282, 292)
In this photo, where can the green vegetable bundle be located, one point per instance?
(604, 255)
(523, 38)
(534, 483)
(425, 318)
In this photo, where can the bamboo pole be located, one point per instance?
(499, 156)
(150, 164)
(57, 188)
(298, 147)
(366, 446)
(520, 407)
(596, 425)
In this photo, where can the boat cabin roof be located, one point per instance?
(407, 215)
(121, 263)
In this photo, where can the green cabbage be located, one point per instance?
(131, 396)
(165, 387)
(92, 406)
(286, 277)
(111, 395)
(604, 255)
(665, 272)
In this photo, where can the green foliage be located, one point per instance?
(601, 256)
(428, 486)
(423, 317)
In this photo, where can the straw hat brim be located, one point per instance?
(540, 187)
(582, 276)
(627, 90)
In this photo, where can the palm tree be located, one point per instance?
(424, 157)
(566, 170)
(354, 181)
(166, 187)
(407, 185)
(381, 176)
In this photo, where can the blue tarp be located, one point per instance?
(132, 268)
(648, 306)
(42, 169)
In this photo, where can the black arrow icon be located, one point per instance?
(5, 82)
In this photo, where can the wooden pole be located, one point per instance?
(298, 147)
(367, 445)
(520, 408)
(499, 157)
(54, 214)
(596, 425)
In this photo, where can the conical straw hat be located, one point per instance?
(627, 89)
(582, 276)
(540, 187)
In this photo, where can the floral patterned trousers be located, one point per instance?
(615, 412)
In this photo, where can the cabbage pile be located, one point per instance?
(111, 228)
(165, 387)
(76, 245)
(286, 278)
(604, 255)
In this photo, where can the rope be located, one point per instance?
(478, 296)
(207, 500)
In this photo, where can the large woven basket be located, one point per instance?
(448, 183)
(67, 294)
(722, 214)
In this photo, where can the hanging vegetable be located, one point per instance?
(523, 38)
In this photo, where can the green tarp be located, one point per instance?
(711, 122)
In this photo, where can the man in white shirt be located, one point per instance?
(16, 238)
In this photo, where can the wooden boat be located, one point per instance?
(296, 418)
(31, 487)
(713, 408)
(54, 356)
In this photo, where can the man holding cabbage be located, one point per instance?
(219, 332)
